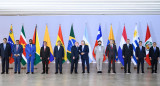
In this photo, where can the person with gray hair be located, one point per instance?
(99, 52)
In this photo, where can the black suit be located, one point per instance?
(154, 56)
(74, 53)
(84, 57)
(127, 53)
(45, 54)
(111, 52)
(140, 53)
(5, 54)
(59, 54)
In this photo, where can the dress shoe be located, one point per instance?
(76, 72)
(88, 72)
(129, 72)
(43, 73)
(108, 71)
(27, 73)
(19, 72)
(83, 72)
(32, 72)
(7, 73)
(155, 71)
(2, 72)
(15, 72)
(61, 73)
(46, 72)
(56, 72)
(114, 72)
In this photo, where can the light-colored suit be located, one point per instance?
(100, 52)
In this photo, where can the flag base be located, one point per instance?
(135, 67)
(122, 67)
(23, 67)
(149, 68)
(10, 67)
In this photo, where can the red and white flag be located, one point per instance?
(148, 44)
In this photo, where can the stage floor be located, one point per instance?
(91, 79)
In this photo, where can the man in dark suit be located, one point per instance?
(59, 56)
(74, 57)
(154, 55)
(45, 55)
(111, 53)
(84, 50)
(17, 51)
(5, 53)
(127, 55)
(140, 56)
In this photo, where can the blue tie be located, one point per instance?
(141, 48)
(4, 46)
(154, 49)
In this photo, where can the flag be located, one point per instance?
(71, 42)
(135, 44)
(123, 41)
(148, 44)
(11, 42)
(47, 39)
(99, 37)
(60, 38)
(111, 37)
(86, 39)
(23, 42)
(37, 44)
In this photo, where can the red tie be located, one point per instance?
(44, 49)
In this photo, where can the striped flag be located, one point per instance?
(47, 39)
(123, 41)
(23, 42)
(60, 38)
(148, 44)
(99, 37)
(86, 39)
(111, 37)
(135, 44)
(11, 42)
(37, 44)
(71, 43)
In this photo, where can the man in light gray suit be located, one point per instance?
(111, 53)
(99, 52)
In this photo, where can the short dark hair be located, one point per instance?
(99, 41)
(128, 39)
(140, 41)
(30, 39)
(17, 40)
(154, 42)
(5, 39)
(44, 42)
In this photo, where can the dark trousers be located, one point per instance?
(140, 61)
(58, 64)
(17, 62)
(111, 59)
(127, 60)
(74, 62)
(154, 65)
(5, 64)
(45, 62)
(83, 64)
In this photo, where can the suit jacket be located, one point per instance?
(75, 52)
(59, 54)
(45, 54)
(152, 54)
(140, 54)
(31, 51)
(99, 53)
(127, 52)
(19, 51)
(111, 51)
(7, 52)
(85, 51)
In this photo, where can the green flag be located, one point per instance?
(71, 43)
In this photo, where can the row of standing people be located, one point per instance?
(76, 52)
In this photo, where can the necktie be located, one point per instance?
(17, 48)
(111, 47)
(4, 46)
(140, 48)
(154, 49)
